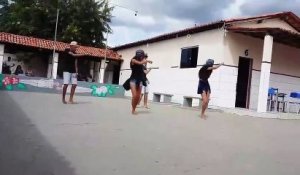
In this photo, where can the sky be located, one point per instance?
(156, 17)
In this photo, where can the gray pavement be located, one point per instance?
(99, 136)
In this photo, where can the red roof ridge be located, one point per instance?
(261, 29)
(256, 17)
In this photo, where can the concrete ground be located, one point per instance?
(99, 136)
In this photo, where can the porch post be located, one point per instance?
(102, 71)
(54, 65)
(1, 56)
(49, 72)
(96, 72)
(92, 63)
(265, 74)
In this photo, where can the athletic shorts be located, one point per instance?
(145, 89)
(70, 78)
(135, 82)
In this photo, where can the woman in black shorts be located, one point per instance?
(204, 87)
(137, 78)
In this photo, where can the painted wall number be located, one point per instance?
(246, 52)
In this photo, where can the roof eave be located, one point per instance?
(172, 35)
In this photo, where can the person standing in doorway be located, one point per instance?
(204, 87)
(137, 78)
(145, 88)
(70, 71)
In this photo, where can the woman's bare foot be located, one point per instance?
(64, 102)
(147, 107)
(134, 113)
(71, 102)
(203, 116)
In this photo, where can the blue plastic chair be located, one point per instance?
(295, 95)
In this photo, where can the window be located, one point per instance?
(189, 57)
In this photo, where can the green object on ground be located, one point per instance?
(9, 87)
(21, 86)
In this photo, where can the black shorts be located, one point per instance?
(203, 87)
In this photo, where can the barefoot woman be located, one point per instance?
(204, 87)
(137, 78)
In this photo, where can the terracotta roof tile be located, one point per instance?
(60, 46)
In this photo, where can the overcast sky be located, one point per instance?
(157, 17)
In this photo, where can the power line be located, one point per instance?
(136, 12)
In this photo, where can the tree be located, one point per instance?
(4, 6)
(82, 20)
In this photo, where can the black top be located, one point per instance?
(18, 71)
(69, 62)
(137, 73)
(204, 74)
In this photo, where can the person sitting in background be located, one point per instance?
(29, 72)
(19, 70)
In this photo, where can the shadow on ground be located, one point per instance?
(23, 150)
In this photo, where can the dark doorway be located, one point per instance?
(116, 74)
(243, 83)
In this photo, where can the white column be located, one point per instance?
(265, 74)
(96, 73)
(92, 64)
(1, 56)
(49, 72)
(54, 65)
(102, 71)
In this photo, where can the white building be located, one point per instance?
(258, 52)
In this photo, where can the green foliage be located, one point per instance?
(82, 20)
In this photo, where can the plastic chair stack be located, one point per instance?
(272, 99)
(295, 95)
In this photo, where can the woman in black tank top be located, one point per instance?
(137, 78)
(204, 87)
(137, 72)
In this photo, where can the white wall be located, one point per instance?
(1, 56)
(285, 60)
(167, 53)
(285, 84)
(228, 49)
(176, 81)
(235, 46)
